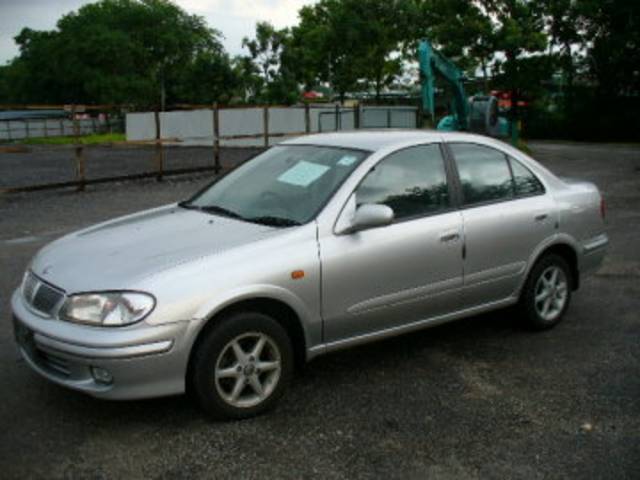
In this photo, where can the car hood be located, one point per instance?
(118, 253)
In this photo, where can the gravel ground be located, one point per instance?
(478, 398)
(50, 164)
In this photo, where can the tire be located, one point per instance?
(544, 303)
(232, 383)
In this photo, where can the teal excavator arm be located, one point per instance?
(432, 62)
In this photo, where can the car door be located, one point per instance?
(390, 276)
(504, 219)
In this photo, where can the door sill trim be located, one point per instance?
(417, 325)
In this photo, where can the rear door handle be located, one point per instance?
(541, 217)
(449, 236)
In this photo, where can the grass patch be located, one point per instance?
(93, 139)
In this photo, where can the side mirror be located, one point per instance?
(370, 215)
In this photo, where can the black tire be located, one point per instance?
(527, 305)
(212, 348)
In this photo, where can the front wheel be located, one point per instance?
(242, 366)
(547, 292)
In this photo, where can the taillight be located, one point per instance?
(603, 208)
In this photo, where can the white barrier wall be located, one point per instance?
(197, 124)
(195, 127)
(140, 126)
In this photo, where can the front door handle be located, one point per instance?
(449, 236)
(541, 217)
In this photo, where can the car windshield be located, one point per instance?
(284, 186)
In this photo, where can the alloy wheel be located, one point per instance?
(551, 293)
(248, 369)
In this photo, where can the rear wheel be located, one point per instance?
(242, 366)
(547, 292)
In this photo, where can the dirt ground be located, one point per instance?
(479, 398)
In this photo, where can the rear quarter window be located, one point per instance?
(525, 182)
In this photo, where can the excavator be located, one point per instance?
(478, 113)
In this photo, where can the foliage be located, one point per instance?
(572, 59)
(612, 35)
(351, 43)
(93, 139)
(272, 78)
(114, 51)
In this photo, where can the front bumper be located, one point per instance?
(143, 360)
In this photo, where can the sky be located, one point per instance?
(234, 18)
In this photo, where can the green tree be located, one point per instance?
(209, 78)
(461, 30)
(116, 51)
(351, 44)
(266, 48)
(518, 37)
(270, 52)
(611, 35)
(381, 29)
(32, 76)
(250, 83)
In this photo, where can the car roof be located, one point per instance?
(371, 140)
(374, 140)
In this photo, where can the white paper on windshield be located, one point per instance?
(347, 160)
(303, 173)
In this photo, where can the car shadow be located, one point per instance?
(318, 379)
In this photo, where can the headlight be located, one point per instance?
(110, 309)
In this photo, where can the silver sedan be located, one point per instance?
(317, 244)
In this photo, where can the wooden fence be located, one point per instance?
(159, 172)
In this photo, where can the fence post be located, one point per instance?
(356, 116)
(158, 148)
(265, 120)
(307, 119)
(216, 139)
(337, 116)
(79, 151)
(388, 118)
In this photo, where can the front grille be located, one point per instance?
(40, 295)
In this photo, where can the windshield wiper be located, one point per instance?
(270, 220)
(273, 221)
(211, 209)
(221, 210)
(188, 205)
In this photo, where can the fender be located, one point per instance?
(311, 322)
(557, 239)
